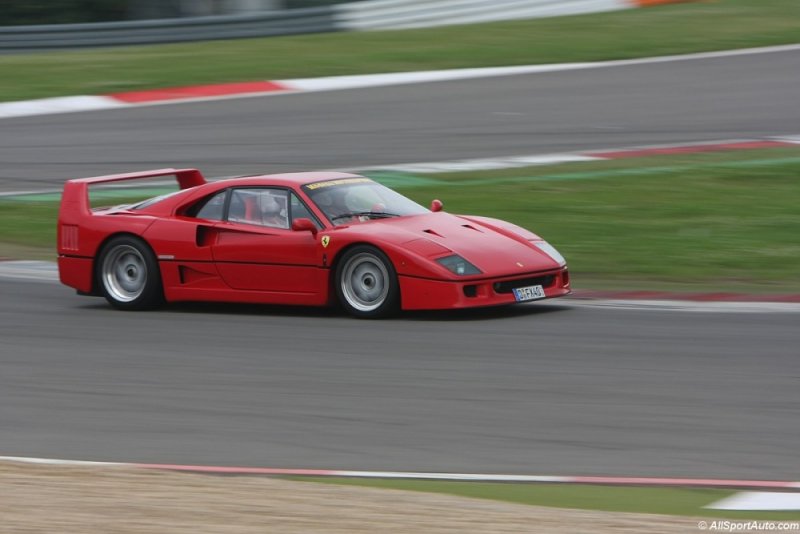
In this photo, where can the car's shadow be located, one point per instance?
(225, 308)
(482, 314)
(472, 314)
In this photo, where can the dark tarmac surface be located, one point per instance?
(699, 100)
(539, 389)
(535, 389)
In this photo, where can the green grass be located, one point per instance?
(671, 29)
(724, 221)
(28, 222)
(669, 501)
(28, 230)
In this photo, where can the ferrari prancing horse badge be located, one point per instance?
(326, 239)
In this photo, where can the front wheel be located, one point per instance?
(128, 275)
(366, 283)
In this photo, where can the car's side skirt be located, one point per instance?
(201, 281)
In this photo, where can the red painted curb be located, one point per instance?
(594, 480)
(684, 482)
(407, 475)
(198, 91)
(238, 470)
(689, 149)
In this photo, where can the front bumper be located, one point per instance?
(425, 294)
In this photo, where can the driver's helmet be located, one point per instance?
(270, 206)
(271, 212)
(334, 201)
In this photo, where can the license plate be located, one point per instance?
(521, 294)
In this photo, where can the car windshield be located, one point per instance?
(349, 200)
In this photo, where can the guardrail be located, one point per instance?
(288, 22)
(400, 14)
(352, 16)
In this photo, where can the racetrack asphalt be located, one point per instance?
(750, 96)
(534, 389)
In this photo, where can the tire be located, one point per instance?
(366, 283)
(128, 274)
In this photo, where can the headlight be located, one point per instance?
(458, 265)
(551, 251)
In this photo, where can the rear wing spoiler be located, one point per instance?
(75, 199)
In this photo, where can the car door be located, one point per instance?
(255, 249)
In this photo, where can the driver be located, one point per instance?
(334, 204)
(271, 212)
(345, 205)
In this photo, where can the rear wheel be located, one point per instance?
(128, 275)
(366, 283)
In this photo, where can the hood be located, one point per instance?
(495, 247)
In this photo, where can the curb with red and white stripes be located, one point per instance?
(405, 475)
(764, 495)
(197, 93)
(508, 162)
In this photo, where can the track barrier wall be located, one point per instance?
(365, 15)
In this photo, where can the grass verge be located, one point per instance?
(724, 221)
(670, 29)
(667, 501)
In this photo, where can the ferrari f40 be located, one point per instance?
(310, 239)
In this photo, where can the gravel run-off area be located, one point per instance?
(65, 500)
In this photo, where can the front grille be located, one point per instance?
(509, 285)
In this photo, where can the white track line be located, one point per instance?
(679, 305)
(760, 500)
(42, 271)
(53, 461)
(484, 164)
(53, 106)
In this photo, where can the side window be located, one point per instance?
(211, 208)
(260, 206)
(300, 211)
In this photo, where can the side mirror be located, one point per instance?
(436, 205)
(304, 225)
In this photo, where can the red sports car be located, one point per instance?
(302, 238)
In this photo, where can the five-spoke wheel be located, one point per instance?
(366, 283)
(128, 274)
